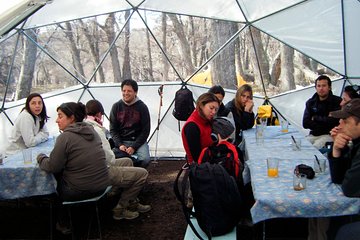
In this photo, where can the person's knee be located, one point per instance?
(145, 163)
(141, 163)
(141, 175)
(145, 173)
(142, 157)
(123, 162)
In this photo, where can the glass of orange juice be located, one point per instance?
(273, 167)
(284, 126)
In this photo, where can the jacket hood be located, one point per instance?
(136, 99)
(83, 129)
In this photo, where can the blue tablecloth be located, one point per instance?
(19, 180)
(275, 197)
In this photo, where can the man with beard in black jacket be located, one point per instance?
(316, 115)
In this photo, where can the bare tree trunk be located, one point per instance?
(287, 81)
(93, 40)
(242, 59)
(126, 65)
(75, 52)
(193, 41)
(150, 66)
(223, 71)
(185, 46)
(238, 63)
(110, 34)
(203, 53)
(276, 70)
(314, 65)
(26, 76)
(259, 60)
(166, 65)
(45, 76)
(307, 62)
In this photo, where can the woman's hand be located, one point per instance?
(249, 106)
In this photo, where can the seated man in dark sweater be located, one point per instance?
(130, 125)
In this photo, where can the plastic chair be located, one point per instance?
(93, 200)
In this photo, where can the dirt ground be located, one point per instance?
(165, 220)
(29, 219)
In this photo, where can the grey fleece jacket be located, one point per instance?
(79, 155)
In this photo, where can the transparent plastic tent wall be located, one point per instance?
(171, 43)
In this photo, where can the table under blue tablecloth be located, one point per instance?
(19, 180)
(275, 197)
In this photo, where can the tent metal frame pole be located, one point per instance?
(257, 61)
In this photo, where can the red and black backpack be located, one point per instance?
(224, 154)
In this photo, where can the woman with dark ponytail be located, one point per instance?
(77, 160)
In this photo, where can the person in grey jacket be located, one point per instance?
(77, 160)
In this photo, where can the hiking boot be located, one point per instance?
(124, 213)
(138, 207)
(66, 230)
(143, 208)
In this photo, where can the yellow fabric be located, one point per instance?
(264, 111)
(276, 122)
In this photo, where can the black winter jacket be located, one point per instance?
(316, 114)
(345, 170)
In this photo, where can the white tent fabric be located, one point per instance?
(325, 30)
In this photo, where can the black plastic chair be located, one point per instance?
(94, 201)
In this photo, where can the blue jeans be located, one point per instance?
(141, 156)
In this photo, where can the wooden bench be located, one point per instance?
(190, 235)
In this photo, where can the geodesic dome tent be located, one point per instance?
(78, 50)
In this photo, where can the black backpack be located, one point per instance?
(216, 198)
(184, 104)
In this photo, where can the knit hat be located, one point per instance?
(352, 108)
(223, 126)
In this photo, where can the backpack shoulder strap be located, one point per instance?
(180, 196)
(205, 155)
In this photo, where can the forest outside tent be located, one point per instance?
(84, 57)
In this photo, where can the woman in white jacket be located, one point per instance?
(29, 128)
